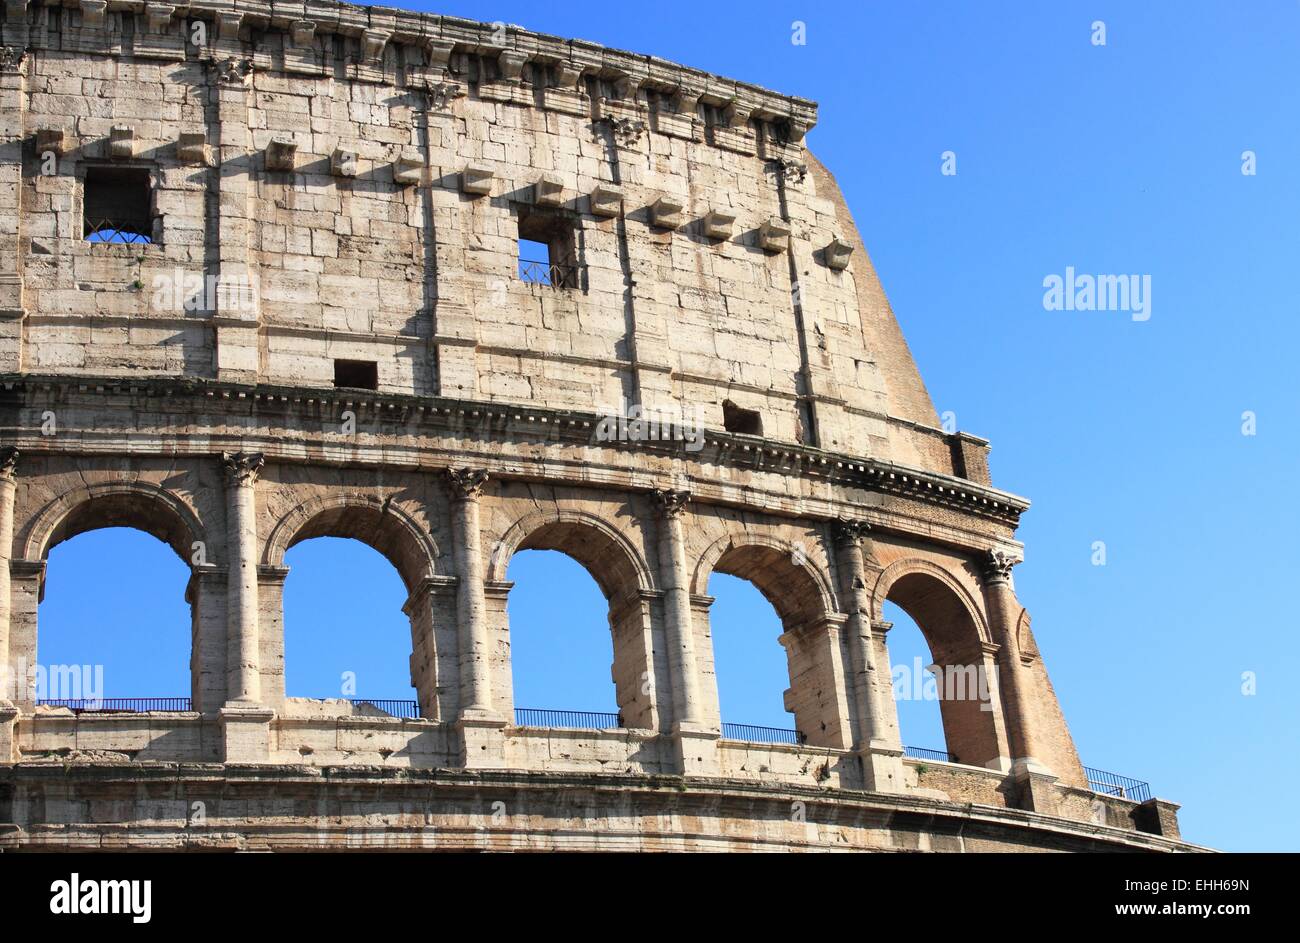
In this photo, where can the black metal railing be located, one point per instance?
(405, 709)
(1113, 784)
(571, 720)
(761, 734)
(120, 705)
(107, 230)
(922, 753)
(554, 274)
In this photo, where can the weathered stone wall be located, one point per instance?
(324, 161)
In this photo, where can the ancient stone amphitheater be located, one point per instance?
(260, 281)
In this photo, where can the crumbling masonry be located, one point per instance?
(260, 282)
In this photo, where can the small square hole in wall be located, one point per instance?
(743, 421)
(356, 374)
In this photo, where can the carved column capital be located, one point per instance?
(11, 58)
(8, 462)
(242, 468)
(671, 502)
(998, 565)
(234, 70)
(466, 484)
(846, 531)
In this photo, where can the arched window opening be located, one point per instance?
(345, 634)
(750, 666)
(964, 681)
(916, 689)
(114, 625)
(561, 649)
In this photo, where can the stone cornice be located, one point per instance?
(440, 37)
(566, 427)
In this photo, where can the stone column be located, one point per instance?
(480, 726)
(245, 721)
(8, 485)
(1014, 682)
(12, 107)
(466, 485)
(878, 743)
(243, 681)
(696, 743)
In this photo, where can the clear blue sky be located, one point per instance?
(1122, 159)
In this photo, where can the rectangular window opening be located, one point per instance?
(547, 252)
(356, 374)
(117, 205)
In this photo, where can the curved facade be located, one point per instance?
(261, 280)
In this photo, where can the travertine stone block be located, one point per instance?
(606, 200)
(666, 212)
(281, 154)
(838, 254)
(774, 235)
(121, 142)
(718, 225)
(477, 179)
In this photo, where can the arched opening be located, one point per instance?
(749, 665)
(797, 612)
(115, 624)
(364, 622)
(570, 634)
(345, 634)
(963, 675)
(915, 688)
(561, 649)
(120, 607)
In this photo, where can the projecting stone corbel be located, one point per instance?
(192, 147)
(567, 76)
(408, 169)
(158, 16)
(717, 225)
(121, 142)
(343, 163)
(228, 25)
(774, 235)
(606, 201)
(548, 190)
(666, 212)
(373, 42)
(511, 65)
(438, 52)
(798, 128)
(838, 253)
(280, 154)
(92, 13)
(476, 179)
(303, 32)
(50, 141)
(737, 116)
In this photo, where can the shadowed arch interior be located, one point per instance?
(791, 590)
(125, 509)
(953, 636)
(602, 556)
(373, 526)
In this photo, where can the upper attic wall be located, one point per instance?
(332, 183)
